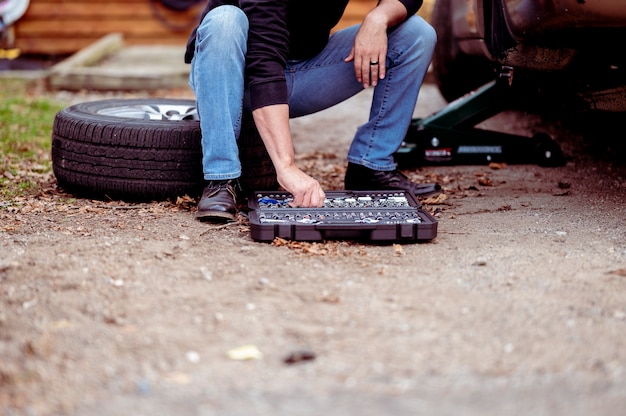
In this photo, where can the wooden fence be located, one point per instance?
(63, 27)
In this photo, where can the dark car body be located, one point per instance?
(573, 49)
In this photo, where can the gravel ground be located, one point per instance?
(517, 307)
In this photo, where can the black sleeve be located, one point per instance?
(268, 47)
(412, 6)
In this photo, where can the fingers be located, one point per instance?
(375, 66)
(369, 70)
(369, 50)
(307, 191)
(309, 198)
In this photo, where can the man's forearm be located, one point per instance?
(273, 124)
(391, 12)
(272, 121)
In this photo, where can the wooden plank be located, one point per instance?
(94, 27)
(92, 54)
(74, 9)
(68, 46)
(111, 80)
(52, 46)
(129, 68)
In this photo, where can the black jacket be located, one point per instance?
(282, 30)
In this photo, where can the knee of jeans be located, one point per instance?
(420, 31)
(191, 80)
(227, 21)
(430, 35)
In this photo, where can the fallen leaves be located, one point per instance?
(185, 202)
(436, 199)
(75, 216)
(324, 167)
(497, 166)
(484, 181)
(324, 248)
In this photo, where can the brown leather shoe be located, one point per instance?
(218, 202)
(360, 178)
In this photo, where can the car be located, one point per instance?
(537, 55)
(568, 48)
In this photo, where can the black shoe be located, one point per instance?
(218, 202)
(360, 178)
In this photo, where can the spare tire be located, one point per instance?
(143, 149)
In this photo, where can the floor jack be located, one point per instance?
(450, 136)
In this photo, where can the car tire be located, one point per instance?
(143, 149)
(455, 72)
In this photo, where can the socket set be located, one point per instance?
(391, 216)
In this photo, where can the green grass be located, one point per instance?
(25, 137)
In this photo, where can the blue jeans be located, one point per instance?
(217, 79)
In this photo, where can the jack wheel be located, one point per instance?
(547, 152)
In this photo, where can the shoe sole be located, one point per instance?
(214, 216)
(422, 190)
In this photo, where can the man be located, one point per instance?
(277, 59)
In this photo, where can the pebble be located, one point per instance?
(206, 273)
(192, 356)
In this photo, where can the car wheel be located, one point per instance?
(143, 149)
(455, 72)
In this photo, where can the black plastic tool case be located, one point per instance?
(357, 215)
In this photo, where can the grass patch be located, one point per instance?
(25, 137)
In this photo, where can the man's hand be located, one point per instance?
(369, 52)
(306, 191)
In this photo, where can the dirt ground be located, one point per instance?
(517, 307)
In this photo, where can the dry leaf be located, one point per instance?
(436, 200)
(328, 298)
(485, 181)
